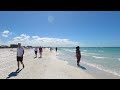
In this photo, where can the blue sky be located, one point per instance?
(84, 28)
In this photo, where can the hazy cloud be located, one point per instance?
(6, 33)
(43, 41)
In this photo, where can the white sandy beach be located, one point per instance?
(47, 67)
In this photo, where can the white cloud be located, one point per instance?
(50, 19)
(43, 41)
(35, 37)
(6, 33)
(23, 38)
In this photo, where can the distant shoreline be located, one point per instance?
(66, 47)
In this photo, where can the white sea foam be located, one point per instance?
(88, 54)
(84, 54)
(85, 50)
(101, 68)
(92, 53)
(118, 59)
(99, 57)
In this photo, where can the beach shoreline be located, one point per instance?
(47, 67)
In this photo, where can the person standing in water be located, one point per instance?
(35, 52)
(78, 55)
(40, 51)
(20, 53)
(56, 49)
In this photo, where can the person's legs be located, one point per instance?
(18, 62)
(78, 61)
(35, 53)
(22, 62)
(18, 65)
(41, 54)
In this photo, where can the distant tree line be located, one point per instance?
(13, 46)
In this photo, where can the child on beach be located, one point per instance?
(20, 53)
(40, 51)
(78, 55)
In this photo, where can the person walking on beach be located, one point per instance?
(20, 53)
(40, 51)
(56, 49)
(35, 52)
(50, 49)
(78, 55)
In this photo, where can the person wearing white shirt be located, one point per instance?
(20, 53)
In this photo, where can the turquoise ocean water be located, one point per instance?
(103, 58)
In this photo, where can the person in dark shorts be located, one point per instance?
(40, 51)
(35, 52)
(20, 53)
(78, 55)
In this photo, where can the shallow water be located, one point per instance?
(105, 59)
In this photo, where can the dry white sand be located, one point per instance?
(47, 67)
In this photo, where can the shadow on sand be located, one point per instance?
(82, 67)
(70, 61)
(35, 57)
(13, 74)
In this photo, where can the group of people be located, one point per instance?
(40, 51)
(20, 53)
(52, 49)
